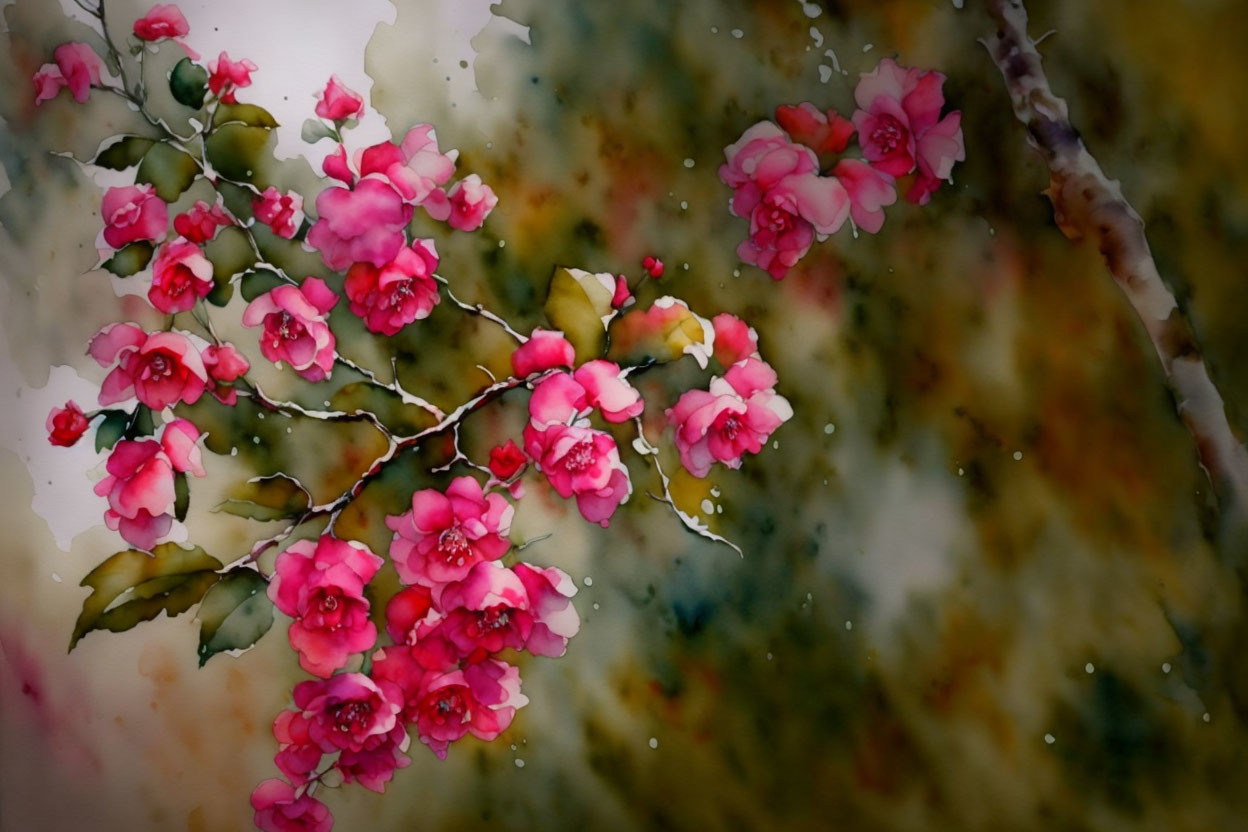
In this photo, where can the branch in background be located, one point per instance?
(1088, 204)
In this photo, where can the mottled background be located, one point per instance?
(984, 585)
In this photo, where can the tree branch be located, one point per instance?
(1088, 204)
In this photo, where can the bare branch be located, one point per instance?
(1088, 204)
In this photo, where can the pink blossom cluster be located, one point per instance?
(781, 186)
(737, 413)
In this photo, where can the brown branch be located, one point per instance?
(1087, 204)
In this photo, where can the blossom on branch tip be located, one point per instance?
(181, 275)
(132, 213)
(66, 425)
(281, 212)
(159, 368)
(295, 327)
(279, 809)
(337, 102)
(226, 76)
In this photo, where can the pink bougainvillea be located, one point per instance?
(281, 212)
(158, 368)
(162, 22)
(480, 699)
(360, 225)
(226, 76)
(471, 202)
(200, 223)
(280, 809)
(66, 425)
(446, 534)
(337, 102)
(321, 586)
(181, 275)
(295, 329)
(397, 294)
(132, 213)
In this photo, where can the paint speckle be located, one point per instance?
(519, 763)
(1018, 455)
(588, 581)
(689, 163)
(738, 34)
(654, 742)
(1049, 739)
(1165, 668)
(829, 428)
(1089, 668)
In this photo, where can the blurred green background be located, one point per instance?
(983, 585)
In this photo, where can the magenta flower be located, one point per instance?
(349, 711)
(445, 535)
(481, 699)
(298, 755)
(139, 485)
(281, 212)
(824, 133)
(900, 128)
(400, 292)
(224, 364)
(66, 425)
(410, 615)
(295, 329)
(736, 416)
(623, 295)
(80, 67)
(471, 202)
(164, 21)
(226, 76)
(415, 169)
(278, 809)
(486, 611)
(734, 339)
(181, 275)
(606, 389)
(545, 350)
(321, 586)
(555, 620)
(337, 102)
(133, 213)
(582, 462)
(200, 223)
(758, 160)
(869, 191)
(374, 765)
(48, 82)
(361, 225)
(159, 369)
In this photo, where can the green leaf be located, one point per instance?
(182, 496)
(111, 428)
(230, 253)
(122, 154)
(248, 114)
(314, 130)
(170, 170)
(254, 284)
(129, 260)
(664, 332)
(235, 613)
(141, 422)
(579, 304)
(133, 586)
(236, 150)
(267, 498)
(189, 83)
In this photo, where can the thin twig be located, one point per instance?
(480, 311)
(1088, 204)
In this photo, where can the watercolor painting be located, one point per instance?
(714, 415)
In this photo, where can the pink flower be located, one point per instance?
(162, 22)
(295, 329)
(410, 614)
(80, 67)
(374, 766)
(199, 225)
(758, 160)
(481, 699)
(415, 169)
(131, 213)
(48, 82)
(349, 711)
(581, 461)
(282, 213)
(623, 295)
(506, 460)
(226, 76)
(606, 389)
(400, 292)
(653, 266)
(321, 586)
(555, 620)
(786, 218)
(736, 416)
(279, 810)
(824, 133)
(734, 339)
(471, 202)
(338, 103)
(361, 225)
(445, 535)
(160, 369)
(224, 364)
(900, 128)
(869, 191)
(298, 754)
(337, 166)
(487, 611)
(139, 485)
(545, 350)
(181, 275)
(66, 425)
